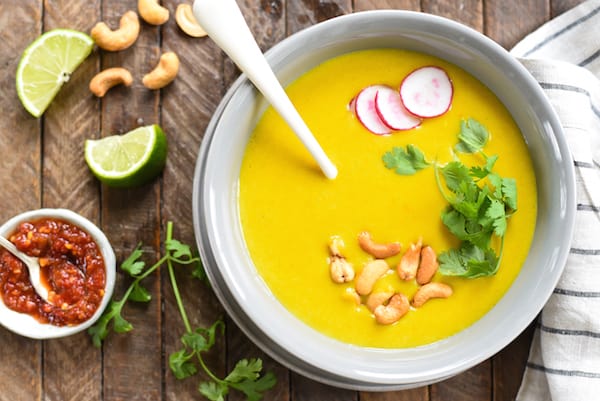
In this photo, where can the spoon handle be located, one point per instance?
(32, 266)
(225, 24)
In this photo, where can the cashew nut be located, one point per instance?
(122, 38)
(187, 22)
(340, 270)
(378, 298)
(428, 265)
(108, 78)
(429, 291)
(336, 245)
(397, 307)
(407, 269)
(380, 251)
(369, 275)
(163, 73)
(152, 12)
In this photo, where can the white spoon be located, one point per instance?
(224, 23)
(33, 265)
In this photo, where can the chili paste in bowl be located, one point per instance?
(77, 266)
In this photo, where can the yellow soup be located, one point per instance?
(289, 211)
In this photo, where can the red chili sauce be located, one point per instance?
(71, 267)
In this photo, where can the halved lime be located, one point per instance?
(47, 64)
(130, 159)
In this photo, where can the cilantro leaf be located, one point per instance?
(180, 364)
(454, 174)
(405, 161)
(244, 370)
(509, 192)
(495, 212)
(213, 391)
(120, 325)
(480, 172)
(177, 249)
(139, 293)
(473, 136)
(132, 265)
(254, 389)
(468, 261)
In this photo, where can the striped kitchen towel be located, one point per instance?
(564, 360)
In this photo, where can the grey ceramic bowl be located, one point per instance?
(247, 298)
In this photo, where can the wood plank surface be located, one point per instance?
(45, 159)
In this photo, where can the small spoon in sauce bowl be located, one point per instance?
(33, 265)
(225, 25)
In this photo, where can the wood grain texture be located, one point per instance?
(72, 118)
(557, 7)
(365, 5)
(509, 365)
(416, 394)
(472, 385)
(130, 216)
(468, 12)
(186, 107)
(504, 26)
(21, 368)
(303, 13)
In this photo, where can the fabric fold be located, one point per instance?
(564, 361)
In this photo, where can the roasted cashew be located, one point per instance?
(428, 265)
(163, 73)
(108, 78)
(336, 245)
(407, 269)
(397, 307)
(429, 291)
(187, 22)
(369, 275)
(378, 298)
(379, 251)
(340, 270)
(152, 12)
(122, 38)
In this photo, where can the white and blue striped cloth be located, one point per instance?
(564, 361)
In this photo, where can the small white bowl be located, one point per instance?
(28, 326)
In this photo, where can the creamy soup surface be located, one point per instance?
(289, 211)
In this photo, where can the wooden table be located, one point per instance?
(43, 166)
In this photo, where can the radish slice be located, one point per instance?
(392, 112)
(366, 113)
(427, 92)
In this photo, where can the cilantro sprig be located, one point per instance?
(480, 201)
(245, 376)
(405, 161)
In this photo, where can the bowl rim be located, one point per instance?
(312, 367)
(26, 325)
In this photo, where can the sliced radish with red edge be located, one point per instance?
(427, 92)
(364, 105)
(392, 112)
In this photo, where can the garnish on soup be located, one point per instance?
(287, 211)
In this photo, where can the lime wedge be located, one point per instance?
(47, 64)
(130, 159)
